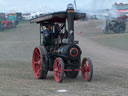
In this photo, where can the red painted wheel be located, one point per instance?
(58, 70)
(87, 69)
(37, 64)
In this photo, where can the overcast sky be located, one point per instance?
(53, 5)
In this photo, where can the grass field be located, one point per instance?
(119, 41)
(95, 33)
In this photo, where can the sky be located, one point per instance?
(53, 5)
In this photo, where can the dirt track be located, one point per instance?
(16, 77)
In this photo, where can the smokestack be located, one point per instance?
(70, 22)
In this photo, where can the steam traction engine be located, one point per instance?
(61, 55)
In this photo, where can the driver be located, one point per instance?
(57, 30)
(47, 32)
(47, 35)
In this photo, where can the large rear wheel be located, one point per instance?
(87, 69)
(37, 63)
(58, 69)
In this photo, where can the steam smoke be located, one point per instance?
(102, 9)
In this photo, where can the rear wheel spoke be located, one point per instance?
(88, 75)
(37, 53)
(35, 63)
(38, 72)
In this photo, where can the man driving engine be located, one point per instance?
(47, 35)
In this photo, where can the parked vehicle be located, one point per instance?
(12, 20)
(117, 25)
(2, 18)
(18, 17)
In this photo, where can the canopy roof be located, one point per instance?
(57, 17)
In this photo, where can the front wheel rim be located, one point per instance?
(58, 70)
(86, 69)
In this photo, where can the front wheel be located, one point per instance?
(87, 69)
(58, 69)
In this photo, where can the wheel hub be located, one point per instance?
(39, 62)
(56, 70)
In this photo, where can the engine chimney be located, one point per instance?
(70, 22)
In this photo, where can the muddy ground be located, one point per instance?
(16, 75)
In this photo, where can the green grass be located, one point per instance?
(119, 41)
